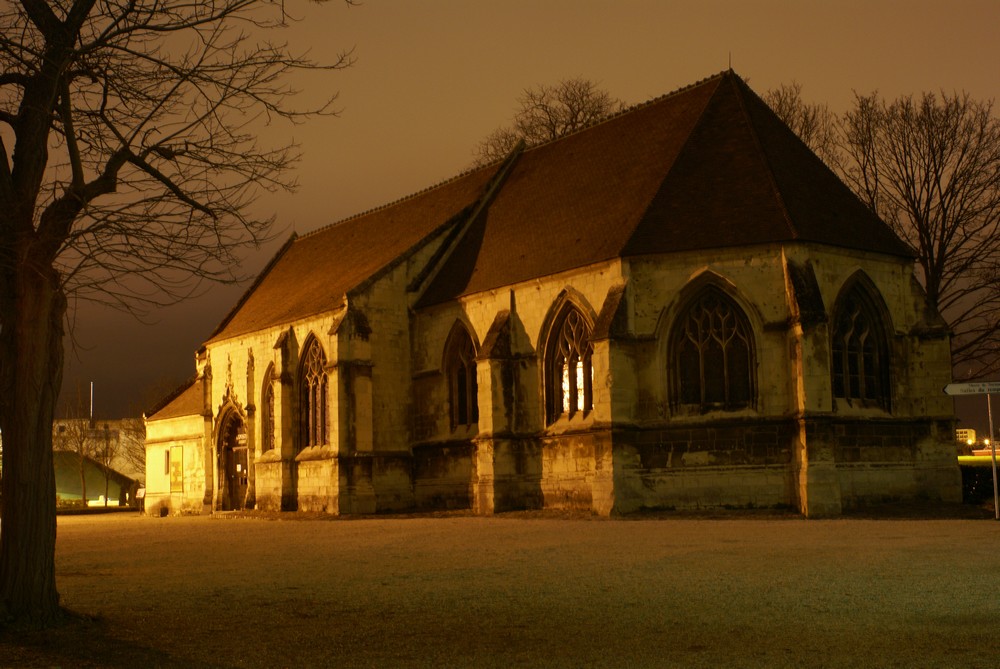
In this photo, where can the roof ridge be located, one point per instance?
(649, 103)
(680, 151)
(627, 110)
(757, 120)
(392, 203)
(771, 178)
(167, 399)
(664, 96)
(464, 173)
(253, 286)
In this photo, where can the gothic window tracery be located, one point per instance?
(712, 355)
(267, 400)
(313, 395)
(860, 365)
(569, 373)
(463, 386)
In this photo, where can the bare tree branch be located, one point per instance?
(815, 124)
(546, 113)
(130, 164)
(930, 168)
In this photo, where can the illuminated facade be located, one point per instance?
(679, 307)
(965, 435)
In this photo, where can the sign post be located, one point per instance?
(983, 388)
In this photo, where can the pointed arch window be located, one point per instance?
(463, 386)
(267, 418)
(312, 396)
(569, 373)
(712, 355)
(860, 365)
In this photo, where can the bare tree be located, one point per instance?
(546, 113)
(129, 161)
(132, 444)
(106, 447)
(930, 167)
(814, 123)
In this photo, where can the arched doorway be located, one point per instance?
(234, 471)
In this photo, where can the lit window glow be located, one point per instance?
(570, 375)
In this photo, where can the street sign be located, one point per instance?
(974, 388)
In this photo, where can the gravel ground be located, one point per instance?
(522, 590)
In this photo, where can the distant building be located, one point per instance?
(115, 487)
(678, 307)
(965, 435)
(98, 442)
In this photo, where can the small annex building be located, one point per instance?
(679, 307)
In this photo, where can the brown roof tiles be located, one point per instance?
(707, 166)
(313, 273)
(187, 400)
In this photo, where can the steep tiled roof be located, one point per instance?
(704, 167)
(708, 166)
(313, 272)
(187, 400)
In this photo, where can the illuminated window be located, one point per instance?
(712, 355)
(312, 396)
(463, 387)
(569, 374)
(267, 418)
(860, 351)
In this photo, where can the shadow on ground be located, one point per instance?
(82, 643)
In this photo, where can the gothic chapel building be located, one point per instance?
(679, 307)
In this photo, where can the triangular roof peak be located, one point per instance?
(313, 273)
(628, 109)
(705, 166)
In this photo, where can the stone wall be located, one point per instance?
(392, 445)
(443, 475)
(887, 460)
(273, 481)
(738, 464)
(184, 436)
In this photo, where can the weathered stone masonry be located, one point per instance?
(677, 308)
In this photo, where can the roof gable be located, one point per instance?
(187, 400)
(573, 201)
(718, 191)
(315, 271)
(704, 167)
(745, 178)
(820, 207)
(708, 166)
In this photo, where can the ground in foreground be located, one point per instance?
(530, 591)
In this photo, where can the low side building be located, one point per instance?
(178, 455)
(679, 307)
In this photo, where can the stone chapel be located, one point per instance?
(679, 307)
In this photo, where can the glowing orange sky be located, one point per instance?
(433, 77)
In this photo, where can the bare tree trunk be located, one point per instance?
(31, 346)
(157, 185)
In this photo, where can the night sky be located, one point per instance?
(434, 77)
